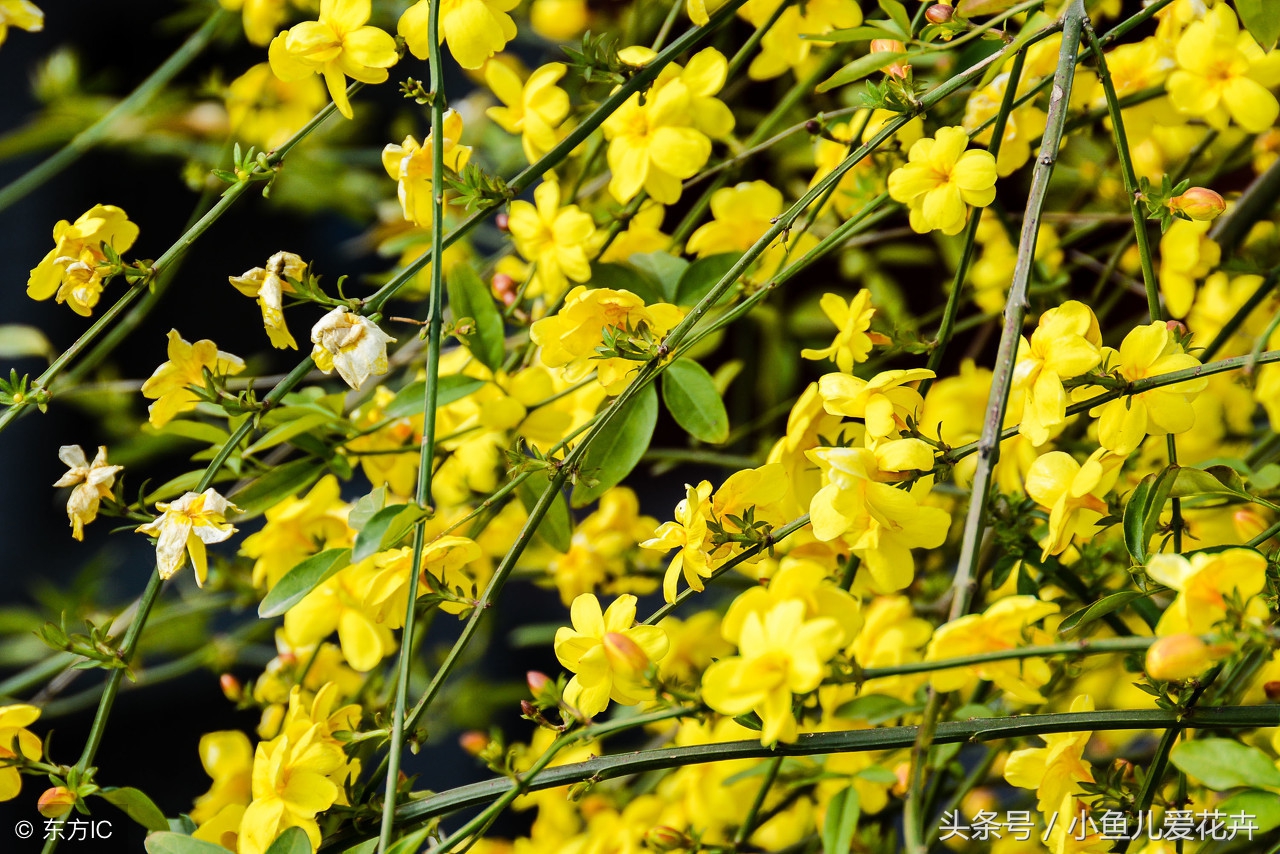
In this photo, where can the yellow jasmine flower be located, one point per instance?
(168, 385)
(1216, 76)
(1056, 770)
(891, 635)
(790, 42)
(992, 272)
(185, 527)
(940, 178)
(609, 655)
(336, 46)
(269, 285)
(339, 605)
(265, 111)
(398, 472)
(92, 482)
(642, 235)
(385, 578)
(852, 320)
(227, 757)
(1065, 344)
(1148, 351)
(780, 654)
(558, 20)
(409, 165)
(880, 522)
(1002, 626)
(688, 533)
(1203, 583)
(741, 216)
(1023, 126)
(533, 109)
(885, 401)
(297, 528)
(556, 239)
(807, 581)
(1072, 493)
(474, 29)
(600, 547)
(352, 344)
(1186, 254)
(291, 786)
(72, 268)
(14, 721)
(262, 18)
(569, 338)
(695, 643)
(22, 14)
(1177, 658)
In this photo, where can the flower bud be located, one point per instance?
(56, 802)
(624, 655)
(939, 13)
(504, 288)
(1177, 658)
(1198, 203)
(536, 681)
(503, 222)
(1177, 327)
(231, 687)
(894, 69)
(663, 838)
(1272, 690)
(473, 741)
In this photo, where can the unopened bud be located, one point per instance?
(1177, 327)
(663, 838)
(504, 288)
(529, 710)
(894, 69)
(1249, 524)
(813, 127)
(56, 802)
(902, 771)
(624, 654)
(503, 222)
(1272, 690)
(1198, 203)
(231, 687)
(537, 681)
(473, 741)
(939, 13)
(1177, 658)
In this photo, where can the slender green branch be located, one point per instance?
(748, 825)
(1265, 287)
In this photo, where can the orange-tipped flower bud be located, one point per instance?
(504, 288)
(502, 221)
(473, 741)
(1272, 690)
(1177, 658)
(536, 680)
(231, 687)
(624, 655)
(1198, 203)
(663, 838)
(56, 802)
(894, 69)
(939, 13)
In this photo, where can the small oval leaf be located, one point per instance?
(615, 451)
(469, 297)
(691, 397)
(168, 842)
(136, 805)
(301, 580)
(556, 527)
(385, 529)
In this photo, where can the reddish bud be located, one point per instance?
(231, 687)
(56, 802)
(939, 13)
(894, 69)
(1177, 327)
(1177, 658)
(504, 288)
(537, 681)
(502, 221)
(1272, 690)
(664, 838)
(1198, 203)
(474, 742)
(624, 655)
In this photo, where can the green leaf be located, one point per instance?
(691, 397)
(614, 453)
(197, 431)
(980, 8)
(842, 821)
(701, 276)
(872, 30)
(1142, 511)
(898, 14)
(877, 774)
(369, 846)
(411, 843)
(412, 399)
(284, 432)
(1224, 763)
(1215, 481)
(276, 485)
(468, 297)
(365, 506)
(385, 530)
(556, 527)
(1263, 806)
(301, 580)
(136, 805)
(1262, 19)
(1106, 605)
(18, 341)
(663, 268)
(293, 841)
(860, 68)
(875, 708)
(168, 842)
(619, 278)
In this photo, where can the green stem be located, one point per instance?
(748, 825)
(1241, 315)
(1256, 202)
(136, 100)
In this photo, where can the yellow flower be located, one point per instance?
(227, 758)
(262, 18)
(14, 721)
(269, 285)
(688, 533)
(297, 528)
(1001, 627)
(1148, 351)
(609, 655)
(642, 235)
(558, 20)
(891, 635)
(398, 472)
(92, 482)
(655, 145)
(556, 239)
(339, 604)
(1203, 583)
(940, 178)
(1216, 78)
(569, 338)
(22, 14)
(1023, 126)
(1186, 254)
(409, 165)
(384, 581)
(807, 581)
(72, 269)
(265, 111)
(1057, 769)
(741, 216)
(185, 527)
(533, 109)
(337, 46)
(352, 344)
(291, 786)
(992, 272)
(600, 547)
(474, 29)
(1072, 493)
(168, 385)
(780, 654)
(790, 42)
(1064, 345)
(880, 522)
(852, 344)
(885, 401)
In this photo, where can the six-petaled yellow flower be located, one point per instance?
(608, 654)
(169, 385)
(474, 29)
(940, 178)
(185, 527)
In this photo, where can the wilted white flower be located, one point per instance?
(269, 285)
(184, 527)
(92, 482)
(352, 344)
